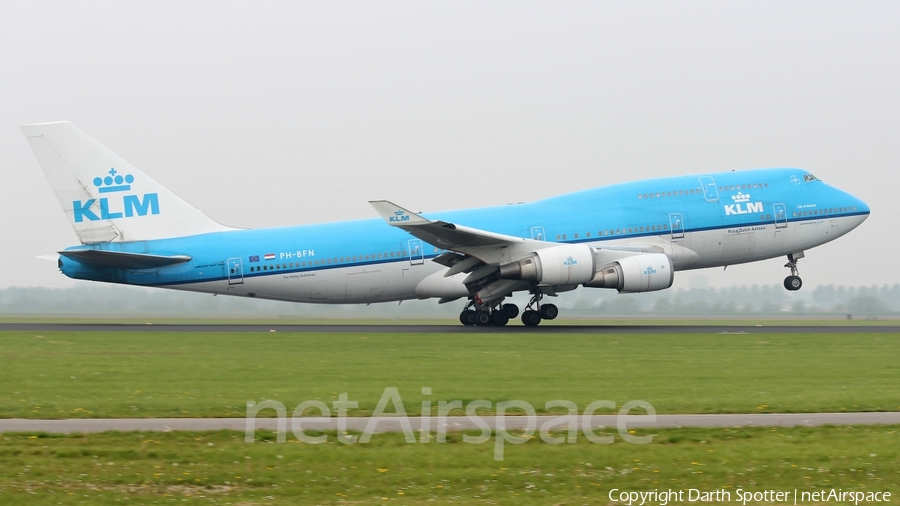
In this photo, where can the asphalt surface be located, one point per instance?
(449, 424)
(453, 329)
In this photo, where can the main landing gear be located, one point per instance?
(535, 311)
(500, 314)
(485, 315)
(793, 282)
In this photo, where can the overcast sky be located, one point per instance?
(281, 113)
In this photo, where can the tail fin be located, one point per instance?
(106, 198)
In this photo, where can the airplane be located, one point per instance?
(630, 237)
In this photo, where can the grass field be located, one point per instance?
(84, 375)
(218, 467)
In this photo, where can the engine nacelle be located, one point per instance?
(568, 264)
(640, 273)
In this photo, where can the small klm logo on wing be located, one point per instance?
(129, 206)
(398, 216)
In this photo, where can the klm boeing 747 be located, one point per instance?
(628, 237)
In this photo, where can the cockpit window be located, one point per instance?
(809, 177)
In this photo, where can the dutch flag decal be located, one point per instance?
(270, 256)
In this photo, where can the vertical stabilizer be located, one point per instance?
(105, 197)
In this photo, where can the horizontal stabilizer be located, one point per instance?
(122, 259)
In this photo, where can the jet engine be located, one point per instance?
(568, 264)
(641, 273)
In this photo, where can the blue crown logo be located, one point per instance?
(398, 213)
(649, 270)
(570, 261)
(114, 182)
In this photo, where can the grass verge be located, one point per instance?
(204, 467)
(111, 374)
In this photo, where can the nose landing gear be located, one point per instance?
(793, 282)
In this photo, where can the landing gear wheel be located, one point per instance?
(482, 318)
(793, 283)
(467, 317)
(511, 310)
(531, 318)
(549, 311)
(500, 318)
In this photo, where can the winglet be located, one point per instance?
(397, 216)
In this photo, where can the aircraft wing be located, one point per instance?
(440, 233)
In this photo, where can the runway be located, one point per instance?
(449, 424)
(546, 328)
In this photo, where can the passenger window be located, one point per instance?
(576, 236)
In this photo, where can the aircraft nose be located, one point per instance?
(859, 207)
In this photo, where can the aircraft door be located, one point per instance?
(780, 215)
(708, 185)
(416, 252)
(235, 271)
(676, 225)
(537, 233)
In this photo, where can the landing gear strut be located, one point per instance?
(793, 282)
